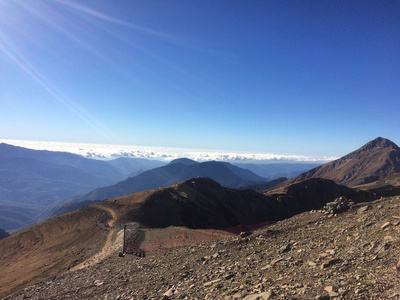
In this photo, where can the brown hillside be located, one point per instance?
(375, 160)
(47, 250)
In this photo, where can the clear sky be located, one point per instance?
(317, 78)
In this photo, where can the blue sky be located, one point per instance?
(317, 78)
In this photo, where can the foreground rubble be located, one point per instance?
(314, 255)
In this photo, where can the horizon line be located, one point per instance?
(110, 151)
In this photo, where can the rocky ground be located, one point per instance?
(314, 255)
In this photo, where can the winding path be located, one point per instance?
(110, 245)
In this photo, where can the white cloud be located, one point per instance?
(162, 153)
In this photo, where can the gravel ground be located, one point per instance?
(314, 255)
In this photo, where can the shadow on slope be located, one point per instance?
(203, 203)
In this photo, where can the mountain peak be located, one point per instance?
(377, 159)
(184, 161)
(379, 143)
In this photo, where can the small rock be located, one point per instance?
(312, 264)
(333, 294)
(362, 209)
(328, 288)
(276, 260)
(98, 282)
(398, 266)
(260, 296)
(383, 247)
(170, 292)
(325, 265)
(266, 267)
(237, 296)
(389, 238)
(210, 283)
(342, 291)
(285, 248)
(245, 234)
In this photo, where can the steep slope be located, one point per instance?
(175, 172)
(47, 250)
(375, 160)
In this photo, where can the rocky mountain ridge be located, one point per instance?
(377, 159)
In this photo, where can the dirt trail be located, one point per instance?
(114, 240)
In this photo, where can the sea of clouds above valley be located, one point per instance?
(98, 151)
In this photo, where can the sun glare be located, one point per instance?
(15, 49)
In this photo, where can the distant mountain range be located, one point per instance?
(375, 160)
(34, 182)
(176, 171)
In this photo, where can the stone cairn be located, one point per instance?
(338, 206)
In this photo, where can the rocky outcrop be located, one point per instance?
(340, 205)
